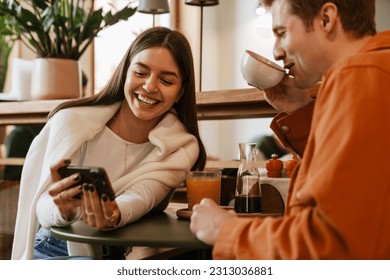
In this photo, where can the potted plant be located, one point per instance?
(58, 31)
(5, 49)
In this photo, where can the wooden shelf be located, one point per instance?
(11, 161)
(233, 104)
(211, 105)
(26, 112)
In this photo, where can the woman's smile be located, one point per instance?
(146, 100)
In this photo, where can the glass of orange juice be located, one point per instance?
(202, 184)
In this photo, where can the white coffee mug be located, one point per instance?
(260, 72)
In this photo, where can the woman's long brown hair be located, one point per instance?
(180, 49)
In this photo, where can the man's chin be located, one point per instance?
(305, 84)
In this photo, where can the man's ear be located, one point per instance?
(329, 16)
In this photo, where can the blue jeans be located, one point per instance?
(50, 247)
(47, 246)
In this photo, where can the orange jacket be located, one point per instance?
(293, 129)
(339, 204)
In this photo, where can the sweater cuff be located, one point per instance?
(293, 129)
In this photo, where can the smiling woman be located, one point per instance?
(152, 87)
(141, 128)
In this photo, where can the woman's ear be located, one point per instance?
(179, 95)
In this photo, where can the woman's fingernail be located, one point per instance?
(79, 187)
(91, 188)
(104, 197)
(67, 161)
(76, 177)
(86, 187)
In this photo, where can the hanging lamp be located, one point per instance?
(153, 7)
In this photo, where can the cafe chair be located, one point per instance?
(9, 194)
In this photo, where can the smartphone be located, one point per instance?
(93, 175)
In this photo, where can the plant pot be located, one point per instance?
(55, 78)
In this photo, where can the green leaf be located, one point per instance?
(40, 4)
(92, 25)
(56, 28)
(123, 14)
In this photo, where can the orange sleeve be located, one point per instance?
(293, 129)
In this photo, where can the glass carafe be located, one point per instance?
(248, 187)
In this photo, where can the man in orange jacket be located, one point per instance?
(339, 201)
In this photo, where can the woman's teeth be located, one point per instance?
(146, 100)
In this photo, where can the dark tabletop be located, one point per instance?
(153, 230)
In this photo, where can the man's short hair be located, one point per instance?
(357, 16)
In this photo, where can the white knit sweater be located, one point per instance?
(174, 152)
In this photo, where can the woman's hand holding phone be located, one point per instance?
(85, 187)
(64, 195)
(99, 212)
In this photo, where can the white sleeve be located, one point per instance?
(48, 213)
(140, 199)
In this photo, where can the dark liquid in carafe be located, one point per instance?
(247, 204)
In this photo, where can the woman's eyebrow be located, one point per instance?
(163, 72)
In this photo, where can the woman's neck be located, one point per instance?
(130, 128)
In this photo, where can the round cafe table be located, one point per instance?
(159, 230)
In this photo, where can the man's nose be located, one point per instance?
(279, 53)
